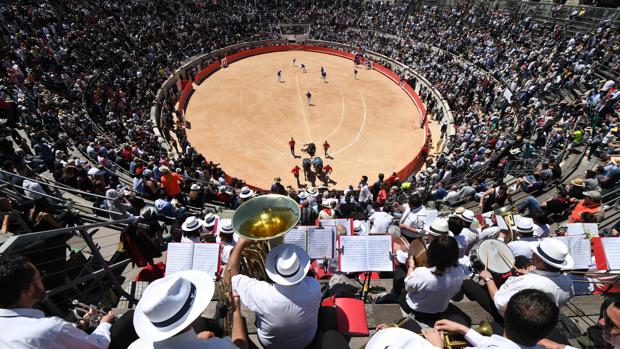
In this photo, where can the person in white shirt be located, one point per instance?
(365, 196)
(226, 238)
(412, 220)
(192, 229)
(531, 315)
(380, 221)
(549, 257)
(460, 226)
(430, 287)
(524, 229)
(168, 308)
(32, 189)
(21, 288)
(393, 337)
(287, 310)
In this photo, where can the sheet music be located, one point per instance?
(297, 237)
(206, 258)
(573, 229)
(342, 225)
(591, 229)
(579, 248)
(354, 257)
(501, 223)
(321, 242)
(611, 246)
(379, 253)
(429, 217)
(180, 256)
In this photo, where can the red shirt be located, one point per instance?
(171, 183)
(295, 170)
(327, 169)
(325, 145)
(291, 143)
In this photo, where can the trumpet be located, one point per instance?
(81, 310)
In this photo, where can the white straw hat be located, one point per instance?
(225, 226)
(553, 252)
(171, 304)
(287, 264)
(246, 193)
(191, 223)
(359, 228)
(440, 227)
(397, 338)
(210, 220)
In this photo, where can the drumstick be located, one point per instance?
(510, 265)
(486, 263)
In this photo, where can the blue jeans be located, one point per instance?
(530, 204)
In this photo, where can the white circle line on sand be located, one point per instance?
(359, 133)
(341, 116)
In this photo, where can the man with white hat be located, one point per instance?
(524, 228)
(330, 209)
(287, 310)
(192, 229)
(210, 225)
(439, 227)
(359, 228)
(549, 257)
(225, 236)
(164, 315)
(467, 237)
(246, 194)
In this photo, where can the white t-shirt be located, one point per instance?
(380, 222)
(185, 340)
(286, 316)
(466, 240)
(412, 218)
(559, 287)
(429, 293)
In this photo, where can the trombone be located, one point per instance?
(81, 310)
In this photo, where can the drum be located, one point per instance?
(417, 249)
(498, 255)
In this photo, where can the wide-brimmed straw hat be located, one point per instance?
(553, 252)
(192, 223)
(440, 227)
(210, 220)
(246, 193)
(171, 304)
(359, 228)
(397, 338)
(225, 226)
(287, 264)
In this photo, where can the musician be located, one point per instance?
(23, 326)
(286, 311)
(549, 257)
(169, 307)
(611, 324)
(530, 315)
(392, 337)
(226, 238)
(412, 217)
(524, 229)
(192, 229)
(430, 287)
(468, 236)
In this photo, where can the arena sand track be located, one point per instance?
(242, 118)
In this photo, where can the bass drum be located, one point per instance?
(417, 249)
(498, 255)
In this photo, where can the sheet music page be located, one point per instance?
(612, 251)
(573, 229)
(206, 258)
(501, 223)
(579, 248)
(379, 253)
(180, 256)
(354, 256)
(591, 229)
(429, 217)
(297, 237)
(321, 242)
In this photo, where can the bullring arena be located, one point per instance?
(243, 118)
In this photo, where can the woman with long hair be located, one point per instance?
(430, 287)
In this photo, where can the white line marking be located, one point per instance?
(302, 106)
(359, 133)
(341, 116)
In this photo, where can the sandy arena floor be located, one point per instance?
(242, 118)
